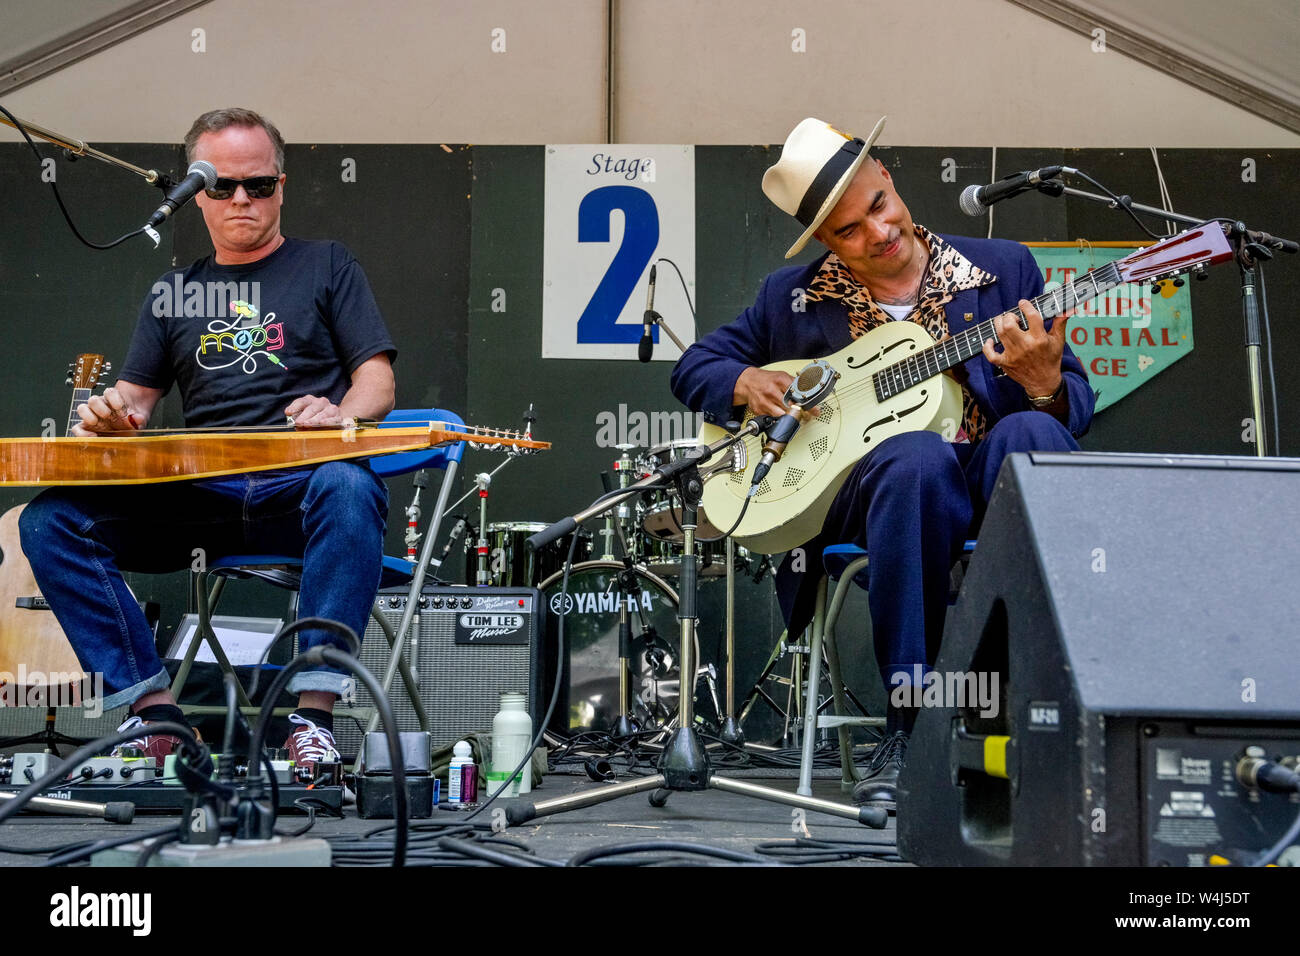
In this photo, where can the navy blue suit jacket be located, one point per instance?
(771, 330)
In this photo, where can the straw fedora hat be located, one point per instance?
(817, 164)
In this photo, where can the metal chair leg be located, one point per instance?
(812, 680)
(205, 603)
(848, 770)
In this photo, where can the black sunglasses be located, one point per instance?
(257, 187)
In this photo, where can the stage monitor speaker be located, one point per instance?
(1127, 628)
(466, 646)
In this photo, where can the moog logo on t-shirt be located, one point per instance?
(244, 340)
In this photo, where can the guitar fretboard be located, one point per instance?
(79, 396)
(929, 362)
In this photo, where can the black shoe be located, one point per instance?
(879, 788)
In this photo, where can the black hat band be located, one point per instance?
(826, 179)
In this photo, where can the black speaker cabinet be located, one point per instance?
(466, 646)
(1133, 620)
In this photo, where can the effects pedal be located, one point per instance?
(115, 771)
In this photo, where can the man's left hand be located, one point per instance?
(1030, 357)
(312, 412)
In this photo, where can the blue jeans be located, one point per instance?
(80, 540)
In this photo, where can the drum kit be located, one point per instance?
(623, 572)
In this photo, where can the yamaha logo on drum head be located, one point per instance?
(597, 602)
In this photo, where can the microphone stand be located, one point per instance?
(1252, 246)
(684, 764)
(75, 147)
(654, 318)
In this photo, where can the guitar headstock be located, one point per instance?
(88, 371)
(1204, 245)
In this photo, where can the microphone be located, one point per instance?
(975, 200)
(456, 530)
(647, 340)
(813, 386)
(778, 437)
(200, 175)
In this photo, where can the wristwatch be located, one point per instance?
(1042, 401)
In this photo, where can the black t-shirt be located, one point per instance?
(243, 341)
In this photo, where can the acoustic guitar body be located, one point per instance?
(31, 641)
(794, 498)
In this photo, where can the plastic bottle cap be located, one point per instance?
(462, 749)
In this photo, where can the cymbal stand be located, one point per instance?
(684, 764)
(624, 586)
(482, 577)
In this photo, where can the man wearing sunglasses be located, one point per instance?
(265, 329)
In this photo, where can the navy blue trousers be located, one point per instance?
(912, 503)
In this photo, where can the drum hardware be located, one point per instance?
(611, 665)
(624, 726)
(412, 538)
(791, 713)
(482, 480)
(511, 453)
(461, 526)
(510, 563)
(684, 764)
(616, 521)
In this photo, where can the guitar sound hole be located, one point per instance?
(792, 478)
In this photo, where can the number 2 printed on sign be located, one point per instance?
(599, 320)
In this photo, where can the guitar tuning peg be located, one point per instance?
(1200, 272)
(68, 380)
(1179, 282)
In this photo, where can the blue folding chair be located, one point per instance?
(847, 565)
(285, 572)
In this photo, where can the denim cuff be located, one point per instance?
(159, 681)
(331, 681)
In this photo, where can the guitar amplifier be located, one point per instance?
(465, 646)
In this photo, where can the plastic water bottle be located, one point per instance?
(512, 732)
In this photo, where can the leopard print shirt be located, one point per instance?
(947, 273)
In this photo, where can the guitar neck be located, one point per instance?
(79, 395)
(957, 349)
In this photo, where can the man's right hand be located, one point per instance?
(109, 412)
(762, 391)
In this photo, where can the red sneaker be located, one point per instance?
(309, 745)
(157, 746)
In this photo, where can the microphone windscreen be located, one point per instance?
(970, 203)
(645, 347)
(206, 169)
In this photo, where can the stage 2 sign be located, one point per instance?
(611, 211)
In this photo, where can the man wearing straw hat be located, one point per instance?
(913, 500)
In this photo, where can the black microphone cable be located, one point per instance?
(59, 199)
